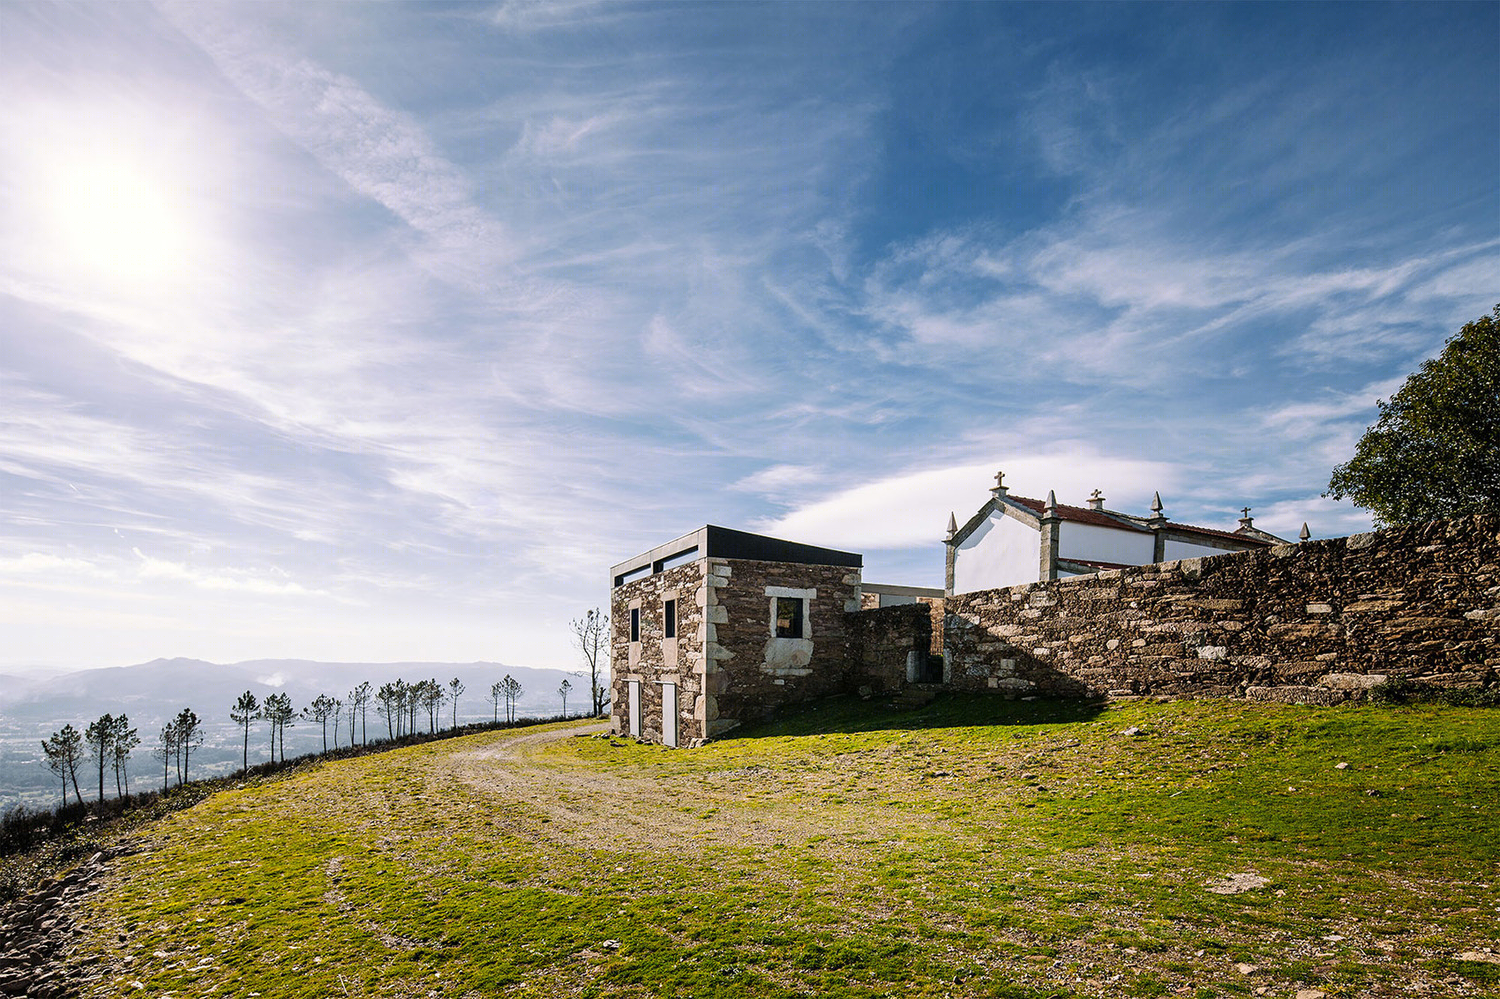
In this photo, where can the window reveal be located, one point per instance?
(789, 613)
(635, 624)
(669, 619)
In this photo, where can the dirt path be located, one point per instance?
(596, 807)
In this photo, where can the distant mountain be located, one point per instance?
(32, 707)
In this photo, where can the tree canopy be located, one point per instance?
(1435, 451)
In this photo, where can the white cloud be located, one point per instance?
(912, 509)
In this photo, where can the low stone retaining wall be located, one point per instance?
(1317, 622)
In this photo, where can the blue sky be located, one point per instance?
(379, 332)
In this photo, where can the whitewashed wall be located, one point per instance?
(1182, 549)
(1002, 552)
(1101, 544)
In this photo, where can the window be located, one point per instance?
(669, 619)
(635, 624)
(789, 612)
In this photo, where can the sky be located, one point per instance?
(379, 332)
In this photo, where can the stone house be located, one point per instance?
(1015, 539)
(719, 627)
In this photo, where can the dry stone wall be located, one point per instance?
(879, 641)
(1317, 622)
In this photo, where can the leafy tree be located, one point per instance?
(245, 711)
(512, 691)
(100, 736)
(563, 690)
(320, 710)
(591, 635)
(166, 750)
(359, 701)
(62, 753)
(457, 686)
(1435, 451)
(338, 715)
(123, 744)
(279, 712)
(430, 694)
(189, 737)
(497, 692)
(390, 698)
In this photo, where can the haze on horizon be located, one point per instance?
(372, 333)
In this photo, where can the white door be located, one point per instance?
(669, 714)
(635, 709)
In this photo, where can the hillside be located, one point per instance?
(32, 708)
(977, 848)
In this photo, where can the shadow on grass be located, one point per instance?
(847, 713)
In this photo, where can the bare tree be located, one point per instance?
(497, 692)
(189, 738)
(124, 743)
(245, 711)
(591, 635)
(512, 691)
(320, 710)
(100, 736)
(457, 686)
(62, 754)
(359, 701)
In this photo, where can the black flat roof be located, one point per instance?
(711, 541)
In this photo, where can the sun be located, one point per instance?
(118, 222)
(111, 204)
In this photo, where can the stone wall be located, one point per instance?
(879, 641)
(654, 658)
(1315, 622)
(750, 673)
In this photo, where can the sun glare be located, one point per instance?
(118, 222)
(114, 208)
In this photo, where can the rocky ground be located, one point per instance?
(38, 930)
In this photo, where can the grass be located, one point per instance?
(978, 847)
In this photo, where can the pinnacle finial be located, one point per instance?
(952, 524)
(1052, 500)
(1305, 533)
(1156, 506)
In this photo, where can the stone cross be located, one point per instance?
(1245, 511)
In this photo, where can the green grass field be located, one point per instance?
(978, 847)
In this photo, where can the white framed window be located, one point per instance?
(791, 611)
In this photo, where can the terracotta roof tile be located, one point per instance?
(1079, 514)
(1084, 515)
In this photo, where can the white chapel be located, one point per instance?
(1014, 539)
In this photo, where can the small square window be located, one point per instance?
(789, 612)
(635, 624)
(669, 619)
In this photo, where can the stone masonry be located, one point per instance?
(1317, 622)
(749, 673)
(880, 642)
(655, 659)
